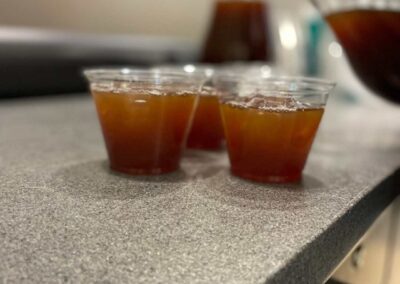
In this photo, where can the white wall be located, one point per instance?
(186, 18)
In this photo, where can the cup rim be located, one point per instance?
(133, 75)
(294, 86)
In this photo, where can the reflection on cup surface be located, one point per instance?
(206, 132)
(270, 124)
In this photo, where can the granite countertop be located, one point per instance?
(64, 217)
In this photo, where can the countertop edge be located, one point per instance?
(335, 243)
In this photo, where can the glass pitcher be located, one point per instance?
(239, 32)
(369, 31)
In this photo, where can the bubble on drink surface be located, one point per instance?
(124, 88)
(208, 91)
(102, 87)
(270, 103)
(137, 88)
(259, 101)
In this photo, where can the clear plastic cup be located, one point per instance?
(206, 132)
(270, 124)
(145, 117)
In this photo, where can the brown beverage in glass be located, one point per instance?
(269, 145)
(144, 116)
(270, 125)
(144, 133)
(238, 32)
(371, 39)
(206, 131)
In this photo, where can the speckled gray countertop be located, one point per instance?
(64, 217)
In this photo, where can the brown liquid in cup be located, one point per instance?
(144, 133)
(269, 145)
(206, 132)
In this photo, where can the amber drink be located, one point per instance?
(206, 132)
(270, 126)
(145, 118)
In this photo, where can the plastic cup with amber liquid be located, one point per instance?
(145, 117)
(206, 132)
(270, 124)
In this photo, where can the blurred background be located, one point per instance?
(44, 44)
(175, 18)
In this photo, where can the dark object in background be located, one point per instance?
(369, 34)
(371, 40)
(39, 62)
(239, 32)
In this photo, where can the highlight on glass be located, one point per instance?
(206, 132)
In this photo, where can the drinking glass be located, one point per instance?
(270, 124)
(145, 117)
(206, 132)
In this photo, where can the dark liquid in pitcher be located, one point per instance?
(371, 39)
(238, 33)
